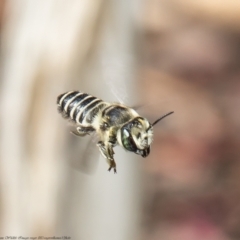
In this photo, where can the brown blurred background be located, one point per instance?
(163, 55)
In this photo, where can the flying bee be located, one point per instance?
(114, 123)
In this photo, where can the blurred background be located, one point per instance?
(161, 55)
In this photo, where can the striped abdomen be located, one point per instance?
(79, 107)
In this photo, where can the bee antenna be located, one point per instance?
(162, 118)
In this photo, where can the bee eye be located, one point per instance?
(139, 135)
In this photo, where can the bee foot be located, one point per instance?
(115, 171)
(77, 134)
(113, 165)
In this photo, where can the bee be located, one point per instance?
(114, 123)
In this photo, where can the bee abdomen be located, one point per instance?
(79, 107)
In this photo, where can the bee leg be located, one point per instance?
(111, 162)
(107, 152)
(82, 131)
(78, 134)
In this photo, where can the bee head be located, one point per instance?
(136, 136)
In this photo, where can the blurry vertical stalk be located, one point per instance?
(49, 47)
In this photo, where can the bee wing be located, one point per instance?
(117, 69)
(84, 154)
